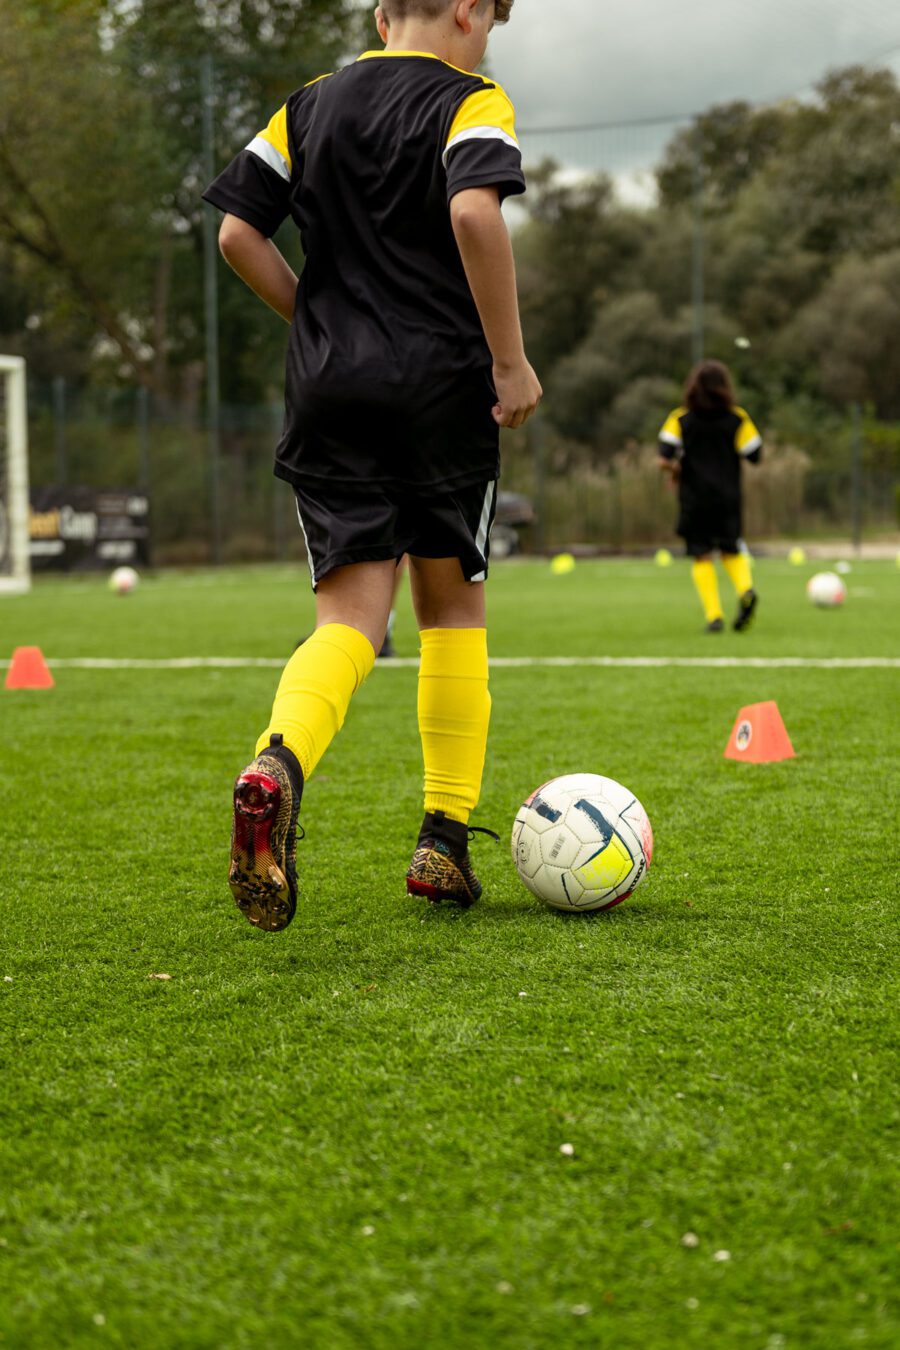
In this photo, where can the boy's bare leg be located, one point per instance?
(358, 596)
(454, 713)
(442, 598)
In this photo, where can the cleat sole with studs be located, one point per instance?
(257, 875)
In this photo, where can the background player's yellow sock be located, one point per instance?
(315, 691)
(737, 565)
(704, 574)
(454, 714)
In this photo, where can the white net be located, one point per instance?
(14, 563)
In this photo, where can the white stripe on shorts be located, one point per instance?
(309, 556)
(483, 526)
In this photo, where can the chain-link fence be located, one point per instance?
(122, 440)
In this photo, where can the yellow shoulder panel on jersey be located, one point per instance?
(488, 114)
(747, 438)
(271, 145)
(671, 431)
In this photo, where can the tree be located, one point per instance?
(843, 344)
(732, 142)
(74, 191)
(101, 165)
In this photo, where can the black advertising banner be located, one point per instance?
(77, 528)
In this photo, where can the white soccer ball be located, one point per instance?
(826, 590)
(582, 842)
(123, 580)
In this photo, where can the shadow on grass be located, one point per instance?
(504, 910)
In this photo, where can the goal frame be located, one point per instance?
(18, 579)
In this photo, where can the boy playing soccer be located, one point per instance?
(405, 358)
(701, 447)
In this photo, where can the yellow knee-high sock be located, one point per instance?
(315, 691)
(704, 574)
(454, 713)
(737, 565)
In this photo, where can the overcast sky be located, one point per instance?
(571, 62)
(565, 61)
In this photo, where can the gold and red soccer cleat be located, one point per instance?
(263, 873)
(440, 867)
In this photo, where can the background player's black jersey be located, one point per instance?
(710, 447)
(388, 371)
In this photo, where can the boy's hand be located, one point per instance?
(518, 394)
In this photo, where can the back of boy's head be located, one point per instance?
(394, 10)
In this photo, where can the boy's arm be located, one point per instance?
(486, 252)
(258, 262)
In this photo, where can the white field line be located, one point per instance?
(497, 662)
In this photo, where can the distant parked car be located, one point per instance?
(514, 512)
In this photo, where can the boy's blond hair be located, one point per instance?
(433, 9)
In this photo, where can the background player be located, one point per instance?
(405, 359)
(701, 447)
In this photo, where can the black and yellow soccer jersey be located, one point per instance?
(388, 372)
(710, 447)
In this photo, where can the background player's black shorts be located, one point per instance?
(380, 524)
(699, 548)
(710, 525)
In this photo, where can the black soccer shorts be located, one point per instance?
(709, 525)
(718, 543)
(380, 523)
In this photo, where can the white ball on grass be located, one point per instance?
(123, 580)
(826, 590)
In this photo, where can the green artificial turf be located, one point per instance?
(349, 1134)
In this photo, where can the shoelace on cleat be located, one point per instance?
(479, 829)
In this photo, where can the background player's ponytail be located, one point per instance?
(709, 388)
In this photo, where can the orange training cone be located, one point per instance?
(760, 736)
(28, 670)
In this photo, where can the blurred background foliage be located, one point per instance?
(101, 260)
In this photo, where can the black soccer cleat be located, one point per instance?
(263, 872)
(716, 626)
(441, 868)
(746, 609)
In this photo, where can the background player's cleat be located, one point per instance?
(263, 874)
(716, 626)
(440, 867)
(746, 609)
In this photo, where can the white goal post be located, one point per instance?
(15, 567)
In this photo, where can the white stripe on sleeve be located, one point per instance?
(480, 134)
(266, 151)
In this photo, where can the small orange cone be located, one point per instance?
(28, 670)
(759, 736)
